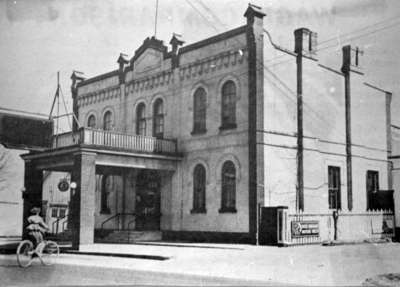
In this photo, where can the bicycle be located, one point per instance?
(47, 251)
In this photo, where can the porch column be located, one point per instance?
(32, 195)
(83, 199)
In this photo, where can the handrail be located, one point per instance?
(64, 227)
(115, 216)
(130, 222)
(115, 139)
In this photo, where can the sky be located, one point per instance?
(40, 37)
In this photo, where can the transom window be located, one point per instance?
(228, 194)
(199, 111)
(199, 189)
(141, 120)
(158, 119)
(228, 105)
(107, 121)
(334, 187)
(91, 122)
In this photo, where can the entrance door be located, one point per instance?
(148, 200)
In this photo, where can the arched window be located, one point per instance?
(141, 119)
(199, 111)
(228, 105)
(158, 119)
(228, 194)
(106, 188)
(91, 123)
(107, 121)
(199, 189)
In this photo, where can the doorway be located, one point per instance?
(147, 206)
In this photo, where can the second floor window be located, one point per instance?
(91, 122)
(141, 120)
(334, 187)
(107, 121)
(199, 111)
(158, 119)
(228, 105)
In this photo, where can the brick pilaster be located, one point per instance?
(83, 199)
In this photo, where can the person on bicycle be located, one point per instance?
(37, 227)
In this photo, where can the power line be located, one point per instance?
(276, 77)
(335, 45)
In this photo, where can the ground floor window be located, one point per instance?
(334, 187)
(228, 194)
(199, 189)
(372, 189)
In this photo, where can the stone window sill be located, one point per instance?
(198, 211)
(227, 210)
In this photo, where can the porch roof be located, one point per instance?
(62, 159)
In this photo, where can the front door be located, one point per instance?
(148, 200)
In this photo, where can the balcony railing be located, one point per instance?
(115, 140)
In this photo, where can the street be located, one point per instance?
(214, 264)
(64, 274)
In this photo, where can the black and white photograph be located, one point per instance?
(200, 143)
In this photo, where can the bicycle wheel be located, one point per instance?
(24, 253)
(49, 253)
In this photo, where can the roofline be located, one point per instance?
(25, 113)
(377, 88)
(213, 39)
(97, 78)
(182, 50)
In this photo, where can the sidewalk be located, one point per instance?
(304, 265)
(9, 244)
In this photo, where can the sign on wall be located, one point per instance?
(63, 185)
(305, 228)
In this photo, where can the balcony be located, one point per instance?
(115, 140)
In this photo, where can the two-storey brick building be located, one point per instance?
(191, 140)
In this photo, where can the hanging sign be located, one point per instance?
(63, 185)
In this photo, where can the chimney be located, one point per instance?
(76, 78)
(351, 59)
(253, 12)
(305, 42)
(176, 41)
(122, 61)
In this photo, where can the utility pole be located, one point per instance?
(298, 34)
(346, 69)
(155, 20)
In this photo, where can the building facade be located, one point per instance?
(20, 131)
(192, 140)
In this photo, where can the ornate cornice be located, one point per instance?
(220, 61)
(99, 96)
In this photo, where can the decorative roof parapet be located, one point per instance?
(99, 96)
(149, 82)
(150, 43)
(211, 64)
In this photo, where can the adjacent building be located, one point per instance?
(191, 141)
(20, 131)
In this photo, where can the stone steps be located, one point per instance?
(127, 236)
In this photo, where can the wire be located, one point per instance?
(335, 45)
